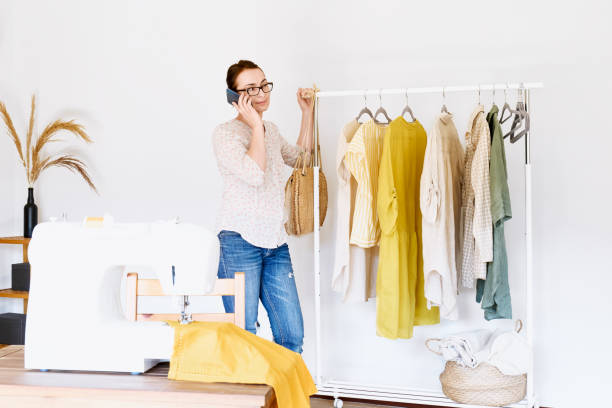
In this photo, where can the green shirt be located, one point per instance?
(494, 292)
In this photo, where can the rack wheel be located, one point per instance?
(338, 403)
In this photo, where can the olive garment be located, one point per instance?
(494, 292)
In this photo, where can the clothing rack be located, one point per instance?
(339, 389)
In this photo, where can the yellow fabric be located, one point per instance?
(223, 352)
(401, 302)
(362, 159)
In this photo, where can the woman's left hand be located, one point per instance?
(304, 98)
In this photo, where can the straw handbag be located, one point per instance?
(299, 197)
(299, 190)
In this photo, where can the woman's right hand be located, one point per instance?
(247, 111)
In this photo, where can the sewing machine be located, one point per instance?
(78, 318)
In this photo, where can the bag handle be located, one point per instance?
(298, 161)
(430, 348)
(518, 325)
(315, 127)
(302, 162)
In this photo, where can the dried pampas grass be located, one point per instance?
(32, 160)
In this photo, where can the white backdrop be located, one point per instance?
(147, 80)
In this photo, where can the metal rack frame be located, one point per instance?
(339, 389)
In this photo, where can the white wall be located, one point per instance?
(147, 80)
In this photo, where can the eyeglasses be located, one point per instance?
(254, 90)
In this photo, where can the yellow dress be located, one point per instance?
(400, 293)
(223, 352)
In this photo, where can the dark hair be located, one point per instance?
(234, 70)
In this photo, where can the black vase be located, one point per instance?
(30, 215)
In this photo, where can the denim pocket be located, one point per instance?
(226, 233)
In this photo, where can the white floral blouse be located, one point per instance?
(253, 200)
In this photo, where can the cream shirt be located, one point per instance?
(354, 273)
(476, 201)
(440, 201)
(253, 200)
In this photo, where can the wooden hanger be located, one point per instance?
(365, 109)
(506, 108)
(521, 117)
(407, 109)
(381, 110)
(443, 109)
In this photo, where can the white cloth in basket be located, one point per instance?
(506, 350)
(468, 349)
(509, 352)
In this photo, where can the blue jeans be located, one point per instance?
(269, 277)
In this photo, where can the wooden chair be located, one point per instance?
(151, 287)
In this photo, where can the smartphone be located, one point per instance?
(232, 96)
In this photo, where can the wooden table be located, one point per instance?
(67, 389)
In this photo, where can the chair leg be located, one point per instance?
(239, 300)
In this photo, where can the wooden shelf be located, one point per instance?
(14, 240)
(24, 242)
(10, 293)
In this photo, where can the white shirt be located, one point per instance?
(354, 273)
(253, 200)
(440, 197)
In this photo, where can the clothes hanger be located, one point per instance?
(506, 108)
(381, 110)
(443, 109)
(515, 138)
(493, 97)
(407, 108)
(521, 116)
(365, 109)
(516, 114)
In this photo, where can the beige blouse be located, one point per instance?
(354, 273)
(253, 200)
(440, 204)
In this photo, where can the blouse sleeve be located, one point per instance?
(342, 171)
(289, 151)
(232, 156)
(387, 196)
(430, 189)
(354, 159)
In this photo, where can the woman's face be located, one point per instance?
(250, 78)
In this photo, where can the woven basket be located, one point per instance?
(299, 198)
(483, 385)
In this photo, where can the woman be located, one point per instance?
(251, 155)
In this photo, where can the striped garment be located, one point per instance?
(362, 159)
(476, 201)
